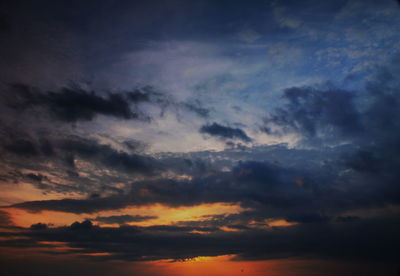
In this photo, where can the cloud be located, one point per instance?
(197, 108)
(82, 226)
(138, 96)
(259, 185)
(225, 132)
(335, 241)
(38, 226)
(109, 157)
(249, 35)
(22, 147)
(318, 113)
(65, 152)
(250, 183)
(307, 218)
(122, 219)
(365, 123)
(74, 104)
(283, 187)
(5, 219)
(279, 184)
(77, 206)
(35, 177)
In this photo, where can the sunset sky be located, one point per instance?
(200, 138)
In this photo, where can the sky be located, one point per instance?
(188, 138)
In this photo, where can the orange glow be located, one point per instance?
(228, 229)
(279, 223)
(96, 254)
(12, 193)
(59, 246)
(199, 232)
(25, 219)
(218, 266)
(166, 215)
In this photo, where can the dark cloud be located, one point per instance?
(174, 228)
(133, 145)
(239, 221)
(248, 182)
(197, 108)
(73, 104)
(366, 118)
(22, 147)
(363, 161)
(347, 218)
(225, 132)
(38, 226)
(150, 95)
(64, 151)
(365, 122)
(252, 184)
(138, 96)
(109, 157)
(28, 147)
(46, 147)
(84, 225)
(318, 113)
(77, 206)
(307, 218)
(235, 146)
(35, 177)
(362, 240)
(285, 186)
(122, 219)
